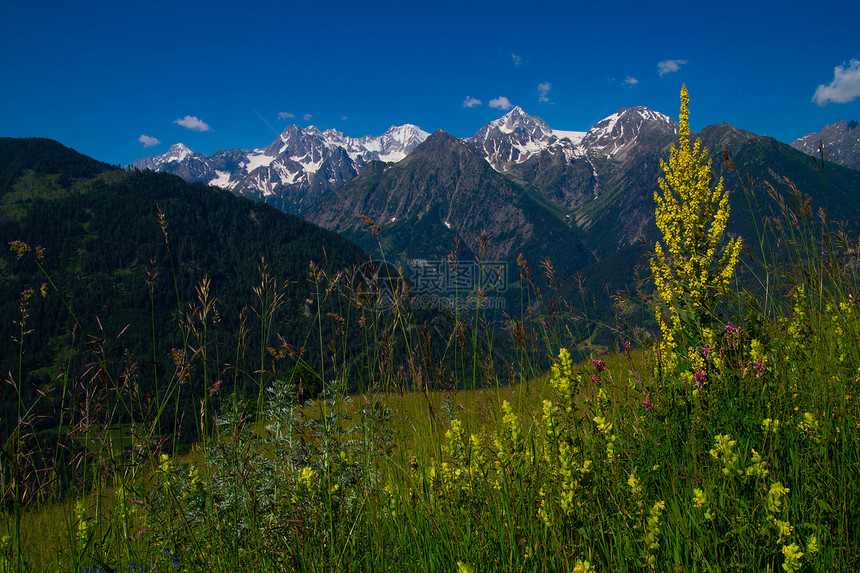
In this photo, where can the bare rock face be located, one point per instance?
(840, 142)
(443, 190)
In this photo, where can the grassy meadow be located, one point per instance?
(724, 438)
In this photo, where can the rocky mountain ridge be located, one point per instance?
(294, 170)
(840, 142)
(302, 164)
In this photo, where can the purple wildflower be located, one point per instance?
(701, 378)
(646, 403)
(759, 367)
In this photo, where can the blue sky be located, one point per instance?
(120, 81)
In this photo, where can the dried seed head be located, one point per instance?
(162, 222)
(20, 247)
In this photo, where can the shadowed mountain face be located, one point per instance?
(516, 180)
(442, 190)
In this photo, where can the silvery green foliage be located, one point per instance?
(253, 484)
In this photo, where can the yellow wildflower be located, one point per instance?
(758, 467)
(700, 499)
(792, 555)
(691, 219)
(307, 476)
(812, 544)
(773, 502)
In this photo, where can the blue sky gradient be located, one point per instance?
(100, 76)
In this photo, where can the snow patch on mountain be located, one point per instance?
(222, 179)
(575, 137)
(840, 141)
(257, 159)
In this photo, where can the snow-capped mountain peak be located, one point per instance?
(630, 118)
(178, 152)
(406, 135)
(615, 135)
(301, 163)
(516, 121)
(651, 115)
(517, 136)
(175, 155)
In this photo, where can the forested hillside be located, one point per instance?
(123, 254)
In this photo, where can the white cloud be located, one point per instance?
(344, 117)
(630, 82)
(845, 86)
(471, 101)
(543, 91)
(148, 141)
(286, 115)
(501, 103)
(193, 123)
(307, 117)
(518, 60)
(669, 66)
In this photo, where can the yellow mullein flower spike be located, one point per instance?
(692, 220)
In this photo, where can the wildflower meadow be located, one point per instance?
(723, 434)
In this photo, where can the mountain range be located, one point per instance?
(302, 164)
(582, 199)
(298, 167)
(293, 171)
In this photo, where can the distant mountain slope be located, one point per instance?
(765, 160)
(44, 156)
(840, 140)
(444, 190)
